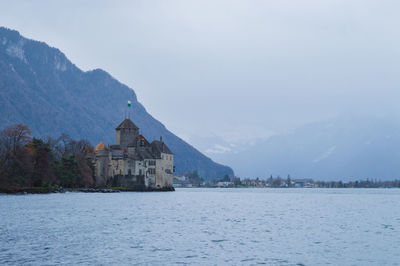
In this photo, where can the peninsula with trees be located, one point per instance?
(29, 164)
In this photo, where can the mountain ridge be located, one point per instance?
(40, 87)
(343, 148)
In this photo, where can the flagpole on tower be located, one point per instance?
(129, 105)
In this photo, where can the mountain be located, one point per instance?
(344, 148)
(41, 88)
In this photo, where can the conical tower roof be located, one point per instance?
(127, 123)
(100, 147)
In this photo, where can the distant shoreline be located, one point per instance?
(283, 188)
(41, 190)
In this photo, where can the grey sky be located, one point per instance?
(230, 71)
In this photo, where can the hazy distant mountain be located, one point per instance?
(40, 87)
(343, 149)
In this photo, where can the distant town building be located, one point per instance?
(181, 178)
(133, 161)
(225, 184)
(303, 182)
(236, 181)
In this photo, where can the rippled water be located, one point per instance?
(203, 226)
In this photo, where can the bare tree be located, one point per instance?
(14, 159)
(14, 138)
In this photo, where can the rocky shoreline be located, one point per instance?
(44, 190)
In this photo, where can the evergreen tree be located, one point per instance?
(289, 181)
(67, 171)
(226, 178)
(43, 174)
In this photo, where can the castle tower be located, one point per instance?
(126, 133)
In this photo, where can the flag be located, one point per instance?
(129, 103)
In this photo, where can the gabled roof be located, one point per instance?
(145, 153)
(140, 153)
(160, 147)
(142, 138)
(127, 123)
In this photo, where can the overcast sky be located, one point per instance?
(230, 70)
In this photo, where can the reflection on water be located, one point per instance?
(203, 226)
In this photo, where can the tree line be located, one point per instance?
(368, 183)
(26, 161)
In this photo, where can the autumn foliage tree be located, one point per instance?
(27, 161)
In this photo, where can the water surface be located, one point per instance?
(203, 226)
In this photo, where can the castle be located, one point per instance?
(134, 162)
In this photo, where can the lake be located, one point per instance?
(203, 226)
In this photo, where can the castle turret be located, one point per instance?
(100, 147)
(126, 133)
(101, 164)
